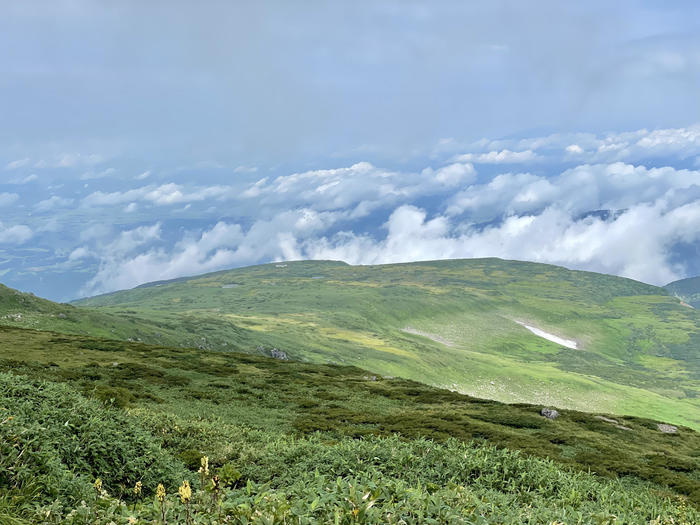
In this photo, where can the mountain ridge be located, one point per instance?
(637, 343)
(687, 290)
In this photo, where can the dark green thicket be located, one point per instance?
(54, 443)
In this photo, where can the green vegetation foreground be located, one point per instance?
(105, 422)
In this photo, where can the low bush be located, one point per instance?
(54, 443)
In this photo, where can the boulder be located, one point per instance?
(667, 429)
(279, 354)
(549, 413)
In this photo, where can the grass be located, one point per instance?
(319, 438)
(639, 346)
(272, 420)
(688, 290)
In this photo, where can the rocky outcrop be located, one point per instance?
(549, 413)
(667, 429)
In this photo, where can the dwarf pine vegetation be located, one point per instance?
(98, 431)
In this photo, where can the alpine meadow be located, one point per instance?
(373, 262)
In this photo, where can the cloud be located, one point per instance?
(499, 157)
(163, 195)
(359, 189)
(635, 244)
(614, 217)
(24, 180)
(91, 175)
(563, 198)
(52, 203)
(8, 198)
(18, 234)
(246, 169)
(19, 163)
(70, 160)
(630, 146)
(453, 174)
(578, 190)
(124, 265)
(78, 254)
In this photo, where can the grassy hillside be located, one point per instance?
(296, 442)
(25, 310)
(454, 324)
(688, 290)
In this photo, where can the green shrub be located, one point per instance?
(111, 396)
(229, 475)
(191, 458)
(54, 443)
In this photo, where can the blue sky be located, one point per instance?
(149, 140)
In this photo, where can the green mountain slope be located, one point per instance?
(24, 310)
(454, 324)
(297, 442)
(687, 290)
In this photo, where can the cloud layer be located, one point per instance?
(626, 204)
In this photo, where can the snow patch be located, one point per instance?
(568, 343)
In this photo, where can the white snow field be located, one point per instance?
(568, 343)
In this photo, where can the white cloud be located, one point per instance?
(512, 215)
(452, 174)
(359, 189)
(163, 195)
(504, 156)
(94, 232)
(70, 160)
(124, 265)
(8, 198)
(79, 253)
(18, 234)
(24, 180)
(91, 175)
(581, 189)
(635, 244)
(565, 199)
(19, 163)
(52, 203)
(630, 146)
(129, 240)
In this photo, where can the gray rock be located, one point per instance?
(62, 316)
(279, 354)
(667, 429)
(549, 413)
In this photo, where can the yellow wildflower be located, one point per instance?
(160, 492)
(131, 520)
(137, 489)
(204, 469)
(98, 485)
(185, 492)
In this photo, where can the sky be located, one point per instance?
(142, 141)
